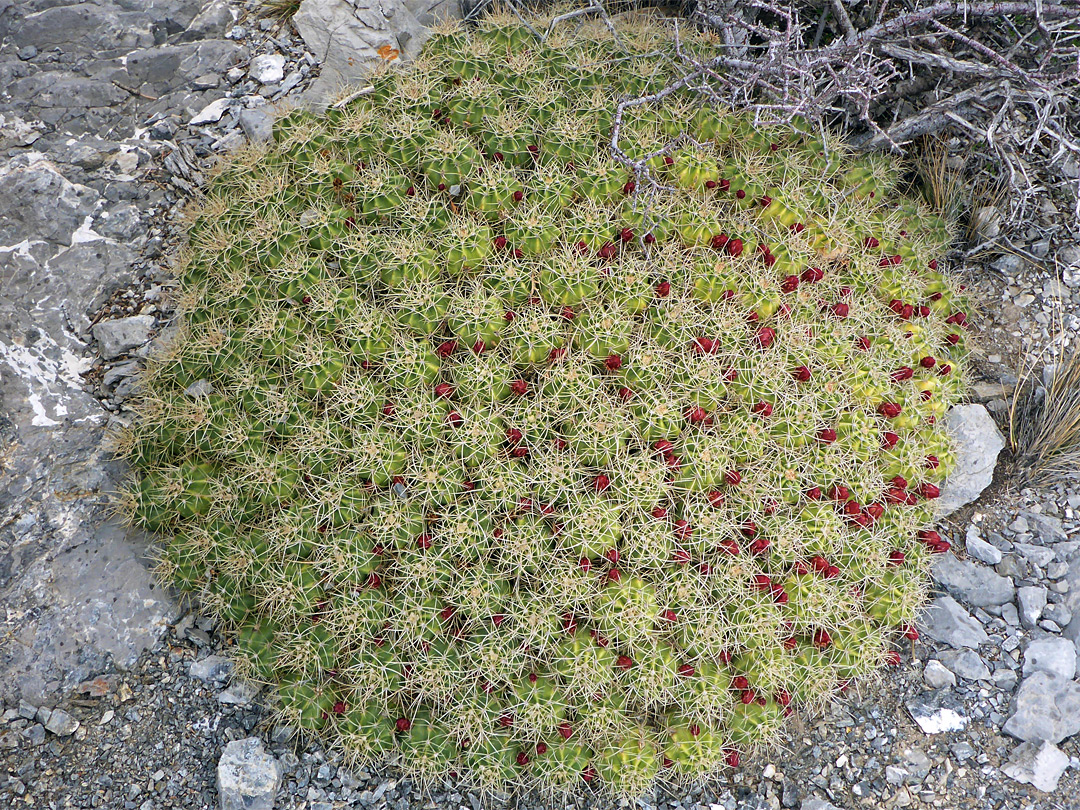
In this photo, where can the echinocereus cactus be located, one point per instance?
(528, 467)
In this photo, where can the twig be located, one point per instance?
(134, 92)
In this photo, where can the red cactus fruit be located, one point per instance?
(444, 390)
(614, 574)
(729, 546)
(929, 491)
(748, 528)
(731, 757)
(735, 247)
(765, 336)
(890, 410)
(423, 541)
(789, 284)
(911, 632)
(566, 731)
(624, 662)
(892, 658)
(759, 546)
(801, 373)
(762, 409)
(822, 639)
(812, 275)
(889, 439)
(896, 557)
(902, 373)
(826, 436)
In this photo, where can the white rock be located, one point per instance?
(247, 777)
(1053, 655)
(978, 443)
(979, 548)
(269, 68)
(1038, 765)
(937, 676)
(212, 112)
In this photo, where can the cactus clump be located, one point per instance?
(520, 466)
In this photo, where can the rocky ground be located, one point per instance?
(115, 696)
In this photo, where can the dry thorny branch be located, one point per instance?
(1006, 75)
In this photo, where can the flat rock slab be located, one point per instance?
(970, 582)
(945, 620)
(978, 444)
(1038, 765)
(1046, 707)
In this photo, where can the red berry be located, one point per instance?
(748, 528)
(801, 373)
(696, 414)
(710, 184)
(733, 478)
(446, 348)
(892, 658)
(566, 731)
(814, 493)
(902, 373)
(373, 580)
(740, 683)
(812, 275)
(896, 557)
(669, 615)
(762, 409)
(585, 564)
(870, 242)
(741, 194)
(612, 556)
(826, 436)
(663, 289)
(629, 187)
(735, 247)
(839, 493)
(444, 390)
(929, 491)
(681, 557)
(822, 639)
(783, 697)
(840, 310)
(686, 670)
(522, 759)
(748, 696)
(625, 393)
(889, 439)
(403, 724)
(614, 575)
(626, 234)
(910, 632)
(732, 758)
(498, 619)
(624, 662)
(518, 195)
(601, 483)
(927, 362)
(759, 546)
(424, 541)
(789, 284)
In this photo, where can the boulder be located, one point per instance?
(1038, 765)
(946, 621)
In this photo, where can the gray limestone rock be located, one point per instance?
(258, 124)
(1046, 707)
(1038, 765)
(1032, 600)
(247, 776)
(166, 67)
(1052, 655)
(268, 68)
(946, 621)
(214, 669)
(38, 203)
(965, 663)
(216, 18)
(350, 37)
(979, 548)
(61, 723)
(937, 676)
(937, 712)
(122, 334)
(978, 443)
(970, 582)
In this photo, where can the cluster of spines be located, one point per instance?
(523, 470)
